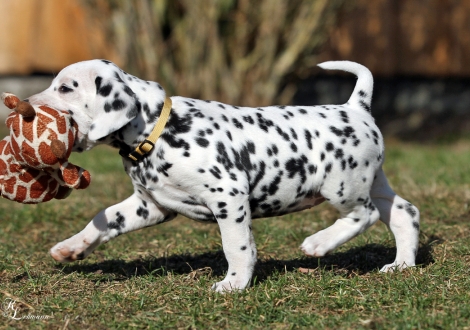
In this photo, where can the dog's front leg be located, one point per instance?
(234, 219)
(131, 214)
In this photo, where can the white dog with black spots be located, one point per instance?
(216, 162)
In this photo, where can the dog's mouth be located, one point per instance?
(80, 143)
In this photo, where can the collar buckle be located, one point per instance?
(149, 143)
(142, 149)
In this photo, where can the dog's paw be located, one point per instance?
(229, 286)
(63, 253)
(395, 266)
(69, 250)
(318, 245)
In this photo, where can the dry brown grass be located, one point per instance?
(238, 52)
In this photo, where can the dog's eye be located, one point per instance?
(64, 89)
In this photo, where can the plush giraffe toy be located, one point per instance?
(33, 158)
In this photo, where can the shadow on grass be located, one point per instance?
(357, 260)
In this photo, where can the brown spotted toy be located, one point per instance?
(34, 165)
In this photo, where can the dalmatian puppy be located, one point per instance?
(216, 162)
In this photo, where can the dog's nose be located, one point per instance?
(26, 100)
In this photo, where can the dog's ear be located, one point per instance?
(116, 105)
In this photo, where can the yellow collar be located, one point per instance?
(149, 143)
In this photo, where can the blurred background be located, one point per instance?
(259, 53)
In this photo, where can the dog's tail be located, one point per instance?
(361, 97)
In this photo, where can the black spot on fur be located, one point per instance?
(308, 138)
(264, 123)
(128, 91)
(329, 146)
(179, 124)
(118, 104)
(174, 142)
(142, 212)
(118, 223)
(202, 142)
(248, 120)
(328, 167)
(274, 185)
(293, 133)
(293, 147)
(410, 209)
(364, 105)
(242, 157)
(352, 163)
(118, 78)
(344, 116)
(284, 135)
(215, 171)
(297, 166)
(339, 153)
(163, 168)
(105, 90)
(98, 81)
(240, 219)
(237, 124)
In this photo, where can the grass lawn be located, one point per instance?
(160, 277)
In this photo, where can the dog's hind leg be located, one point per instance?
(401, 217)
(358, 213)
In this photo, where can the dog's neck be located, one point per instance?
(149, 101)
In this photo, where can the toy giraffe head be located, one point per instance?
(41, 136)
(37, 151)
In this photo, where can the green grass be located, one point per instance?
(160, 277)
